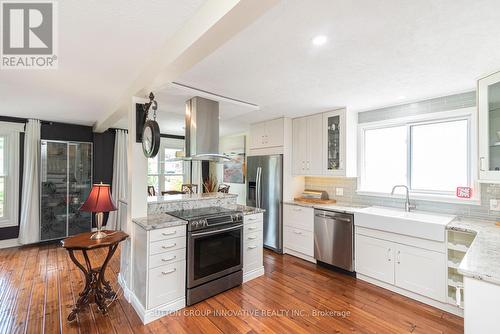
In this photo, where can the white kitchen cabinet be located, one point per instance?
(299, 217)
(253, 247)
(481, 309)
(421, 271)
(299, 145)
(267, 134)
(314, 144)
(488, 102)
(339, 143)
(325, 144)
(374, 258)
(159, 271)
(166, 283)
(307, 142)
(406, 266)
(298, 231)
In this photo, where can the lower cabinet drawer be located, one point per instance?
(163, 246)
(299, 240)
(252, 252)
(298, 217)
(167, 233)
(252, 226)
(162, 259)
(166, 283)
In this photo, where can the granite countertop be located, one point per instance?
(339, 207)
(483, 256)
(188, 197)
(163, 220)
(247, 210)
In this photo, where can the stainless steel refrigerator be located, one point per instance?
(265, 190)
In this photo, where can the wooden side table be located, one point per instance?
(96, 285)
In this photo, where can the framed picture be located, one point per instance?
(234, 170)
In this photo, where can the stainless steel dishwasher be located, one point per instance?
(334, 239)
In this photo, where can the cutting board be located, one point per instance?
(315, 200)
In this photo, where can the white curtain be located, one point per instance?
(29, 226)
(197, 178)
(119, 187)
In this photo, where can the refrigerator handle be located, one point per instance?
(258, 186)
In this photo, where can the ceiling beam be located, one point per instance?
(211, 26)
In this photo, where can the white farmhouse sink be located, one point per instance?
(415, 224)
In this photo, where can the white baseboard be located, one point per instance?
(8, 243)
(440, 305)
(253, 274)
(123, 284)
(299, 255)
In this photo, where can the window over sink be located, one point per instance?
(432, 154)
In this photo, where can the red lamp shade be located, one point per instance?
(99, 199)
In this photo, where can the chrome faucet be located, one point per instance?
(408, 205)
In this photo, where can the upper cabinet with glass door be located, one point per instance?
(489, 128)
(339, 138)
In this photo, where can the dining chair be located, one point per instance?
(223, 188)
(151, 191)
(172, 192)
(189, 188)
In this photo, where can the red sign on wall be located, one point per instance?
(464, 192)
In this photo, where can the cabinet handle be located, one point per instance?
(168, 272)
(170, 246)
(389, 255)
(252, 228)
(170, 259)
(297, 209)
(297, 232)
(399, 257)
(252, 247)
(167, 234)
(481, 164)
(252, 238)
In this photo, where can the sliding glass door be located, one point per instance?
(66, 180)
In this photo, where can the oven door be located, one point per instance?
(213, 254)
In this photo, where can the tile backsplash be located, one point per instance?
(349, 184)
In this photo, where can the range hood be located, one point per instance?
(202, 130)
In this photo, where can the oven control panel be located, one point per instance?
(197, 224)
(207, 222)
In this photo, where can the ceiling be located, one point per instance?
(378, 53)
(171, 110)
(103, 45)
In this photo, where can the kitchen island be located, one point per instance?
(165, 260)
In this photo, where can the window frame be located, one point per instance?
(167, 143)
(469, 114)
(11, 131)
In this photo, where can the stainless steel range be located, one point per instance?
(214, 251)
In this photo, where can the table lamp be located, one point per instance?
(99, 201)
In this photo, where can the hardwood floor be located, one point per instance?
(38, 286)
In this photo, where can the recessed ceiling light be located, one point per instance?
(319, 40)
